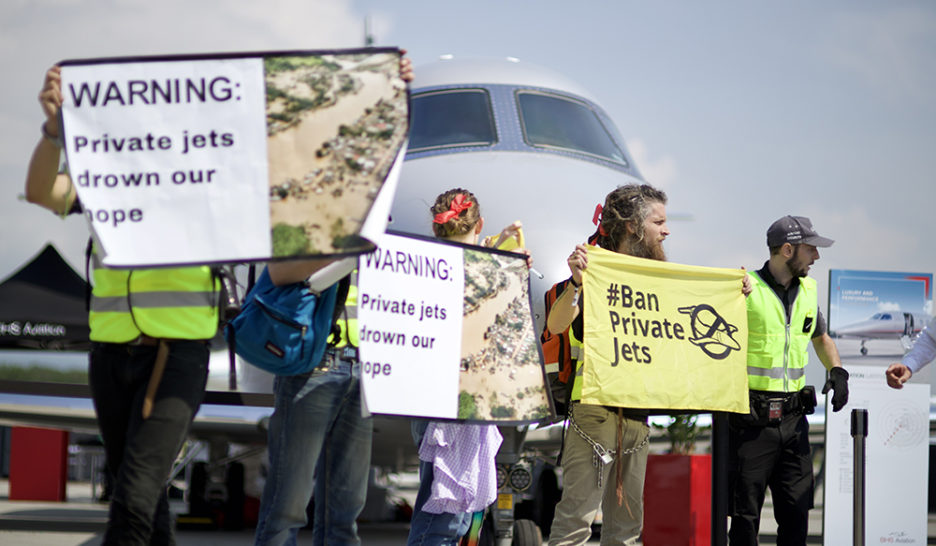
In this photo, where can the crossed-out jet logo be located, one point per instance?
(710, 331)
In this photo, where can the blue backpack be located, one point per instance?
(283, 329)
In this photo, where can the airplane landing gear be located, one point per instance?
(215, 495)
(863, 350)
(526, 533)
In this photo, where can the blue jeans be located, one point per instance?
(318, 443)
(427, 528)
(140, 453)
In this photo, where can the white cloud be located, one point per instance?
(888, 306)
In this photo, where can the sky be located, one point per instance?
(741, 111)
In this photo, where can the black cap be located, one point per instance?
(796, 230)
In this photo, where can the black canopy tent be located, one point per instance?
(42, 306)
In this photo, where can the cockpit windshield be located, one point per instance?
(454, 117)
(559, 122)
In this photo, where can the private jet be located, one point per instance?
(884, 325)
(531, 144)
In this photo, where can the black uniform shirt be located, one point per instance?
(788, 296)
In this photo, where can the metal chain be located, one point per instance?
(604, 456)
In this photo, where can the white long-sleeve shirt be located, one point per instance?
(924, 349)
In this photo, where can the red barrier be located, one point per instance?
(678, 500)
(38, 464)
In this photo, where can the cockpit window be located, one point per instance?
(454, 117)
(561, 122)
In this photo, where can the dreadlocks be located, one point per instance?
(627, 206)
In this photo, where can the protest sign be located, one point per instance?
(663, 336)
(446, 331)
(232, 158)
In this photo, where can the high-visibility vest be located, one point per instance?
(169, 303)
(577, 354)
(777, 347)
(347, 321)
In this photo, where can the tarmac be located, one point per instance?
(80, 521)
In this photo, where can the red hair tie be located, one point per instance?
(458, 204)
(597, 218)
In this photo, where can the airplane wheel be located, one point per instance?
(864, 351)
(526, 533)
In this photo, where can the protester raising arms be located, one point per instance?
(143, 416)
(633, 222)
(148, 364)
(605, 449)
(318, 441)
(456, 216)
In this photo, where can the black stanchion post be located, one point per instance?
(859, 432)
(719, 478)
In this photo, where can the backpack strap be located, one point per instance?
(87, 272)
(232, 342)
(344, 286)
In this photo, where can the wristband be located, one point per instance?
(56, 140)
(575, 284)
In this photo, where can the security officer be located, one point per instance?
(149, 355)
(770, 447)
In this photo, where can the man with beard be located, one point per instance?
(770, 446)
(633, 222)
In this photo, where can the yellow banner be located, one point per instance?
(663, 336)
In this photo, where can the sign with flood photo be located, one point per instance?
(234, 158)
(446, 331)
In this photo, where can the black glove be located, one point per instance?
(838, 382)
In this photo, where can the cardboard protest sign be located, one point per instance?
(663, 336)
(446, 331)
(232, 158)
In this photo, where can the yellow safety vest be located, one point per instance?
(777, 348)
(577, 354)
(347, 322)
(169, 303)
